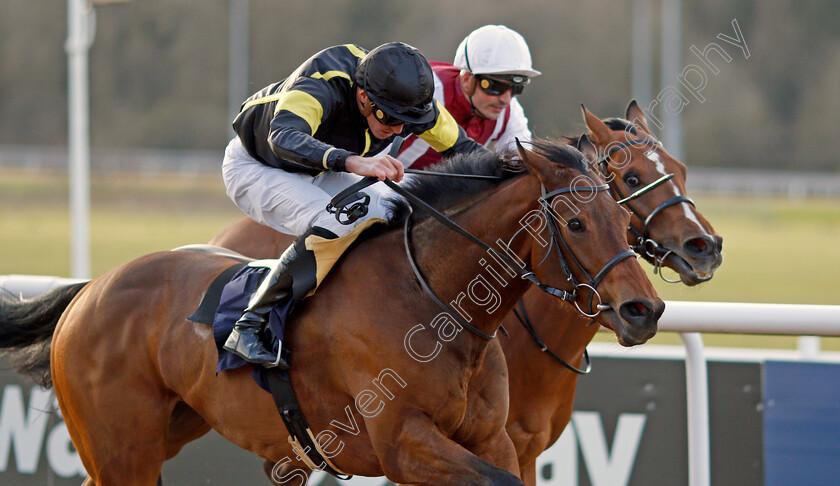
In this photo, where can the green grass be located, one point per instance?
(775, 250)
(131, 215)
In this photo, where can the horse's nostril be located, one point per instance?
(718, 243)
(699, 247)
(635, 310)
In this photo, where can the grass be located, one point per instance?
(776, 250)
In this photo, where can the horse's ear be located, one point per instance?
(534, 163)
(599, 132)
(636, 116)
(587, 148)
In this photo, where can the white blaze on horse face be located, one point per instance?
(688, 209)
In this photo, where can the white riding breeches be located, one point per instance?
(292, 202)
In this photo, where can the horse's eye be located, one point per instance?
(576, 225)
(631, 180)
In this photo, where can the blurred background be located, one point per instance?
(759, 136)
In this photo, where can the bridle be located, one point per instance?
(647, 247)
(347, 197)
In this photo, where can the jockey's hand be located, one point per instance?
(380, 166)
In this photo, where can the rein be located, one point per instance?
(649, 248)
(350, 202)
(522, 315)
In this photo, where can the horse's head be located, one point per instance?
(666, 228)
(580, 244)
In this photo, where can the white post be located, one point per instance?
(671, 106)
(697, 391)
(809, 347)
(80, 22)
(238, 52)
(642, 51)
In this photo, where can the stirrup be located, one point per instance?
(278, 363)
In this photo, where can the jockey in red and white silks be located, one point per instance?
(492, 65)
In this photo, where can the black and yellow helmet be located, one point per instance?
(399, 80)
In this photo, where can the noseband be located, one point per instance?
(646, 246)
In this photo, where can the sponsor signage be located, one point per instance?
(772, 423)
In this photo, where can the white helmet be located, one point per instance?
(494, 49)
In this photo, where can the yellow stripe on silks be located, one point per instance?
(367, 142)
(331, 74)
(327, 252)
(355, 50)
(260, 101)
(301, 104)
(444, 134)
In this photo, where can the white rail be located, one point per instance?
(691, 318)
(688, 318)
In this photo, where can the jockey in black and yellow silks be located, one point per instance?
(304, 139)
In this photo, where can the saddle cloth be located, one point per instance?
(222, 306)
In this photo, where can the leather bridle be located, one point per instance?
(647, 247)
(349, 198)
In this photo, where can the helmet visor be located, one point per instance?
(415, 115)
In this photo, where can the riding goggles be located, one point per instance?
(495, 86)
(384, 118)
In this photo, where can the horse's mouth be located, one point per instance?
(689, 275)
(626, 335)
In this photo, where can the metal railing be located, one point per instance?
(692, 318)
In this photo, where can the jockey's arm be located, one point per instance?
(297, 116)
(517, 127)
(446, 137)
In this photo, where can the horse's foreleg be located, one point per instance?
(529, 473)
(498, 451)
(422, 455)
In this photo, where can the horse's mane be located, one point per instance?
(442, 192)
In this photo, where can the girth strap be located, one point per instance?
(300, 436)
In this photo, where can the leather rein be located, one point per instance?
(349, 205)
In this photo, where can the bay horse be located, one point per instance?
(666, 229)
(136, 381)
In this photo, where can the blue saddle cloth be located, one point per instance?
(234, 298)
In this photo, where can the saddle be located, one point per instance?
(226, 299)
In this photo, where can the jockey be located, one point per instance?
(304, 139)
(492, 66)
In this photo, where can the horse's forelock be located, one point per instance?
(620, 125)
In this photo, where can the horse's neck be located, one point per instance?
(478, 285)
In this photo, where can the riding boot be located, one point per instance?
(294, 275)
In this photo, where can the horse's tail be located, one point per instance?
(27, 327)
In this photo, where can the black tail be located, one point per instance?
(27, 327)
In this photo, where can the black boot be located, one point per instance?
(292, 276)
